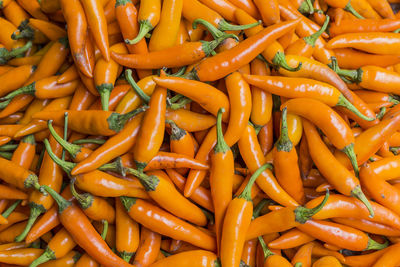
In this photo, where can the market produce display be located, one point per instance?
(199, 133)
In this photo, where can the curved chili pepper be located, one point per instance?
(368, 226)
(149, 248)
(44, 89)
(17, 176)
(94, 207)
(25, 152)
(112, 148)
(290, 239)
(373, 78)
(82, 98)
(343, 139)
(166, 224)
(75, 222)
(20, 256)
(330, 232)
(202, 94)
(190, 121)
(168, 160)
(218, 66)
(369, 141)
(52, 31)
(58, 247)
(303, 255)
(383, 43)
(98, 25)
(285, 155)
(342, 179)
(127, 233)
(15, 78)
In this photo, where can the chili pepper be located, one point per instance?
(86, 261)
(269, 11)
(77, 27)
(305, 46)
(127, 233)
(270, 258)
(15, 78)
(17, 176)
(114, 147)
(5, 36)
(327, 261)
(100, 183)
(350, 238)
(98, 25)
(368, 142)
(290, 239)
(44, 89)
(148, 248)
(166, 224)
(185, 118)
(98, 122)
(382, 43)
(346, 5)
(94, 207)
(167, 160)
(75, 222)
(52, 31)
(48, 221)
(237, 220)
(342, 179)
(285, 155)
(343, 140)
(69, 75)
(303, 255)
(373, 78)
(216, 67)
(58, 247)
(368, 226)
(68, 260)
(365, 25)
(20, 256)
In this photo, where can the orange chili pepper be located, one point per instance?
(285, 155)
(148, 248)
(218, 66)
(193, 257)
(327, 261)
(52, 31)
(269, 11)
(290, 239)
(343, 139)
(25, 152)
(167, 224)
(346, 5)
(15, 78)
(303, 255)
(368, 226)
(98, 25)
(20, 256)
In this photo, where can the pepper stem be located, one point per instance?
(259, 207)
(176, 132)
(105, 91)
(144, 28)
(115, 166)
(306, 7)
(310, 40)
(352, 74)
(267, 252)
(105, 229)
(128, 76)
(72, 149)
(149, 182)
(6, 55)
(89, 141)
(350, 8)
(372, 244)
(303, 214)
(61, 202)
(28, 89)
(343, 102)
(221, 146)
(279, 61)
(65, 165)
(349, 151)
(8, 147)
(284, 143)
(128, 202)
(65, 137)
(47, 255)
(35, 211)
(6, 155)
(223, 25)
(216, 33)
(116, 121)
(84, 200)
(246, 194)
(126, 256)
(358, 193)
(10, 209)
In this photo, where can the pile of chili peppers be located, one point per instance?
(193, 133)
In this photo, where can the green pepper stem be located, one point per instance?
(306, 7)
(349, 151)
(72, 149)
(358, 193)
(65, 137)
(105, 91)
(28, 89)
(267, 252)
(257, 210)
(216, 33)
(246, 194)
(105, 229)
(350, 8)
(8, 147)
(84, 200)
(176, 132)
(6, 55)
(223, 25)
(61, 202)
(372, 244)
(116, 121)
(47, 255)
(149, 182)
(303, 214)
(279, 61)
(128, 76)
(89, 141)
(221, 146)
(343, 102)
(144, 27)
(284, 143)
(65, 165)
(10, 209)
(35, 211)
(310, 40)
